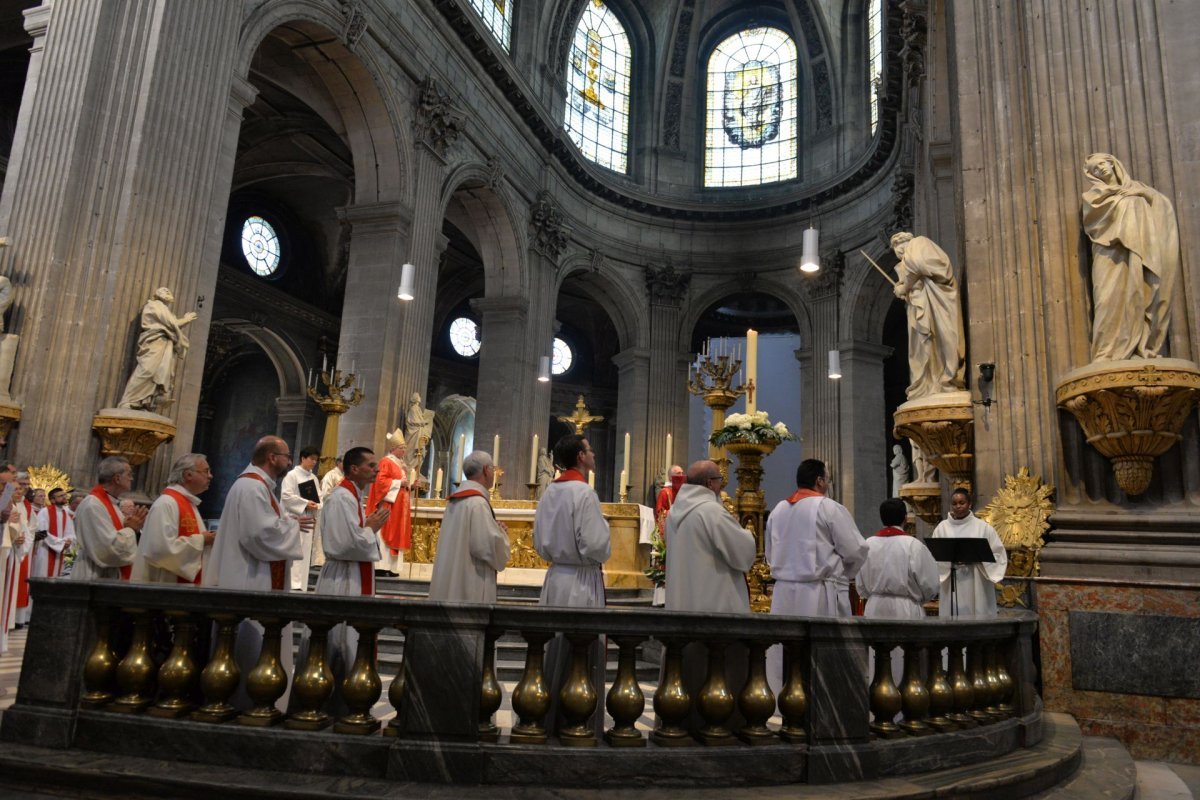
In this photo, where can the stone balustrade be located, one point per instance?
(125, 668)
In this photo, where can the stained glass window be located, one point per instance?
(464, 336)
(597, 115)
(260, 246)
(875, 66)
(562, 357)
(751, 109)
(497, 15)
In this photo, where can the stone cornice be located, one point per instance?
(280, 303)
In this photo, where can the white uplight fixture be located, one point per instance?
(809, 260)
(544, 369)
(835, 365)
(406, 282)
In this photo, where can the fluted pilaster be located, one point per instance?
(864, 452)
(633, 387)
(504, 384)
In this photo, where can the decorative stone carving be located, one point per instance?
(936, 344)
(161, 345)
(672, 113)
(131, 433)
(683, 37)
(495, 172)
(596, 262)
(900, 469)
(548, 226)
(943, 426)
(823, 94)
(356, 23)
(1020, 513)
(925, 499)
(437, 124)
(828, 280)
(913, 31)
(667, 285)
(1132, 411)
(903, 188)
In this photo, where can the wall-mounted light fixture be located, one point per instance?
(406, 282)
(835, 365)
(810, 244)
(987, 374)
(544, 369)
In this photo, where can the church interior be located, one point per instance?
(492, 223)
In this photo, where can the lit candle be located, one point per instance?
(310, 380)
(625, 467)
(496, 449)
(458, 457)
(324, 363)
(752, 370)
(621, 488)
(533, 454)
(437, 484)
(592, 480)
(667, 469)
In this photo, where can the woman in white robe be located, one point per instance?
(976, 582)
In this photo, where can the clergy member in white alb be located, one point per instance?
(570, 532)
(297, 506)
(472, 546)
(255, 541)
(107, 542)
(899, 573)
(8, 561)
(174, 545)
(55, 533)
(976, 582)
(331, 480)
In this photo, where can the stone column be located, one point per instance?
(112, 191)
(666, 397)
(633, 390)
(505, 376)
(865, 450)
(808, 378)
(548, 237)
(290, 412)
(822, 416)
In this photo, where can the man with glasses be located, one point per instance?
(174, 544)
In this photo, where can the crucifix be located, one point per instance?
(580, 418)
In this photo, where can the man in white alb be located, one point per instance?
(174, 543)
(976, 582)
(107, 541)
(472, 546)
(899, 573)
(331, 480)
(296, 505)
(54, 532)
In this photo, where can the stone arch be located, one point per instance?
(627, 310)
(288, 366)
(868, 297)
(493, 222)
(768, 284)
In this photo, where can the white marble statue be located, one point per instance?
(161, 344)
(923, 470)
(1135, 261)
(936, 345)
(8, 341)
(419, 425)
(545, 472)
(900, 470)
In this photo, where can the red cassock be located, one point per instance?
(397, 533)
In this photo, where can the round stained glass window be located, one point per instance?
(562, 357)
(464, 336)
(260, 246)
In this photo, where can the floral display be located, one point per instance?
(753, 428)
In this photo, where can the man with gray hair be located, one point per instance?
(174, 544)
(107, 542)
(472, 546)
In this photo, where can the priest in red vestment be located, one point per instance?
(662, 507)
(392, 488)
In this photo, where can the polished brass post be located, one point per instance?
(756, 700)
(792, 700)
(941, 696)
(977, 675)
(312, 684)
(267, 681)
(100, 669)
(491, 694)
(396, 693)
(178, 674)
(531, 698)
(913, 694)
(992, 680)
(625, 700)
(960, 685)
(885, 697)
(672, 703)
(715, 702)
(1005, 680)
(135, 673)
(219, 678)
(577, 698)
(362, 687)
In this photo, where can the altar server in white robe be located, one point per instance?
(332, 479)
(175, 546)
(976, 582)
(254, 543)
(8, 562)
(296, 505)
(570, 532)
(107, 539)
(899, 573)
(55, 531)
(472, 545)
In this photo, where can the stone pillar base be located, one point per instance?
(132, 434)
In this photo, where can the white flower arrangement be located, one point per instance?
(753, 428)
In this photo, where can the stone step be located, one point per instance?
(1106, 770)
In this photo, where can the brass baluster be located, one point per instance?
(135, 673)
(267, 681)
(715, 702)
(626, 701)
(362, 687)
(960, 685)
(913, 694)
(992, 680)
(672, 703)
(531, 698)
(219, 678)
(100, 669)
(941, 695)
(756, 700)
(979, 684)
(491, 694)
(312, 684)
(177, 676)
(885, 697)
(577, 698)
(396, 692)
(1005, 680)
(792, 700)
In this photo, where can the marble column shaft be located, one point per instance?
(633, 387)
(865, 441)
(504, 387)
(667, 409)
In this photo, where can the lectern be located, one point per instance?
(960, 552)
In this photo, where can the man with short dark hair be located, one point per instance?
(976, 582)
(472, 545)
(174, 543)
(298, 506)
(899, 573)
(107, 541)
(55, 532)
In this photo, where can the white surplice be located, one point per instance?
(976, 582)
(163, 555)
(103, 548)
(328, 483)
(897, 577)
(708, 555)
(40, 566)
(294, 504)
(472, 548)
(814, 549)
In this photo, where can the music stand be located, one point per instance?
(969, 550)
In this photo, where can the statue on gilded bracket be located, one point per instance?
(161, 344)
(900, 469)
(936, 345)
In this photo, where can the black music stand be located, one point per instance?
(972, 550)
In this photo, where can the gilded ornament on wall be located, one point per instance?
(49, 477)
(1020, 513)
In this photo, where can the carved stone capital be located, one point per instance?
(828, 280)
(925, 499)
(549, 231)
(132, 434)
(667, 285)
(438, 123)
(943, 426)
(356, 23)
(1131, 411)
(914, 31)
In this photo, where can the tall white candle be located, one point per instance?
(437, 485)
(624, 478)
(625, 467)
(533, 455)
(752, 370)
(592, 479)
(458, 457)
(496, 449)
(667, 468)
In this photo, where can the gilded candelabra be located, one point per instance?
(342, 392)
(711, 377)
(751, 507)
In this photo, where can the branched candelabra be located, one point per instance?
(342, 391)
(712, 377)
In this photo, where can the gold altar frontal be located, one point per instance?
(525, 567)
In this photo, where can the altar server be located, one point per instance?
(976, 582)
(107, 541)
(55, 531)
(295, 504)
(174, 545)
(899, 573)
(472, 545)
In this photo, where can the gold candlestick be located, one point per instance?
(623, 497)
(340, 395)
(750, 509)
(494, 492)
(712, 378)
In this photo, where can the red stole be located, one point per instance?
(801, 494)
(278, 568)
(101, 495)
(54, 560)
(461, 493)
(891, 530)
(188, 525)
(570, 475)
(366, 569)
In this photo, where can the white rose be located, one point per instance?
(745, 426)
(761, 418)
(734, 420)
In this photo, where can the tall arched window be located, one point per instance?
(875, 65)
(497, 15)
(597, 116)
(751, 122)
